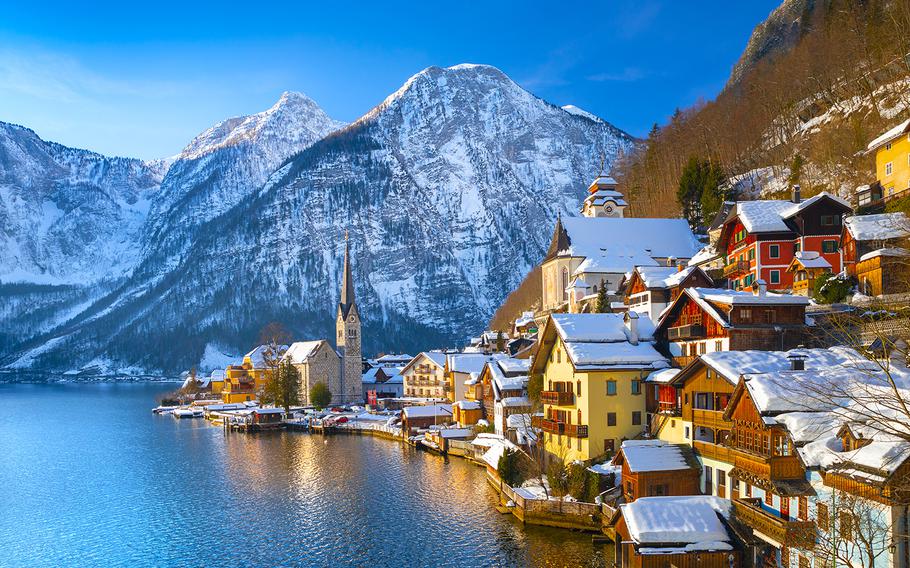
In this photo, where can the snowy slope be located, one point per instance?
(449, 188)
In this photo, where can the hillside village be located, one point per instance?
(736, 398)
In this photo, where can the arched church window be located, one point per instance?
(565, 284)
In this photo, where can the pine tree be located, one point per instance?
(713, 193)
(688, 193)
(603, 306)
(283, 387)
(320, 395)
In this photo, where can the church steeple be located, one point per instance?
(347, 281)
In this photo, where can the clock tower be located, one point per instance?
(347, 335)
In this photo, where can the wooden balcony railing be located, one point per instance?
(800, 534)
(738, 267)
(713, 419)
(556, 427)
(801, 285)
(714, 451)
(682, 361)
(668, 408)
(770, 467)
(558, 398)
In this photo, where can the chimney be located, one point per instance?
(797, 362)
(632, 323)
(796, 194)
(760, 288)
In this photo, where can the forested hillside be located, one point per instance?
(817, 82)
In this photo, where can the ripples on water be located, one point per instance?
(91, 478)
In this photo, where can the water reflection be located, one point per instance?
(96, 480)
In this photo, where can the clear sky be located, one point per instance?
(131, 80)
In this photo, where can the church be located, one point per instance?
(339, 368)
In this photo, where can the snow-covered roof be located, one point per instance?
(467, 404)
(811, 259)
(616, 245)
(594, 328)
(370, 376)
(740, 297)
(427, 410)
(501, 382)
(659, 276)
(437, 358)
(882, 226)
(662, 377)
(257, 355)
(889, 135)
(795, 208)
(497, 445)
(619, 354)
(454, 432)
(706, 254)
(467, 362)
(515, 401)
(300, 351)
(733, 364)
(887, 251)
(217, 375)
(526, 318)
(653, 455)
(510, 365)
(763, 215)
(690, 520)
(394, 358)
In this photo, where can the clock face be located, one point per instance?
(609, 208)
(351, 319)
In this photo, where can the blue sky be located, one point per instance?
(124, 79)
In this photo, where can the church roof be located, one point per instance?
(347, 282)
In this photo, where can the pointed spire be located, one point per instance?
(560, 240)
(347, 279)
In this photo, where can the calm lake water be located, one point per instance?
(91, 478)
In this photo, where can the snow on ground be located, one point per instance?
(216, 356)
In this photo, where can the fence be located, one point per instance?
(549, 512)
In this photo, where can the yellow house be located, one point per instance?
(243, 382)
(593, 368)
(892, 159)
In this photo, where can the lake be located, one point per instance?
(91, 478)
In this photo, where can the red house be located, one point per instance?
(760, 238)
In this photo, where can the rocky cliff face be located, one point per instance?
(448, 188)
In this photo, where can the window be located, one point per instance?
(611, 419)
(846, 525)
(827, 220)
(821, 514)
(658, 490)
(721, 480)
(748, 490)
(611, 388)
(687, 433)
(774, 276)
(718, 345)
(558, 356)
(797, 246)
(709, 480)
(889, 169)
(745, 314)
(636, 418)
(888, 146)
(829, 246)
(774, 251)
(702, 348)
(769, 316)
(636, 386)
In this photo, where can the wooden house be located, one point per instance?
(467, 412)
(884, 271)
(805, 267)
(864, 234)
(503, 386)
(892, 166)
(652, 468)
(704, 320)
(415, 418)
(683, 532)
(760, 238)
(650, 289)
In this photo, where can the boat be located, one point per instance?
(185, 413)
(163, 409)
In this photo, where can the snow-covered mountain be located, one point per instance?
(449, 189)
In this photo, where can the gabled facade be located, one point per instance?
(892, 160)
(805, 267)
(705, 320)
(316, 362)
(593, 368)
(604, 199)
(864, 234)
(424, 376)
(651, 289)
(760, 238)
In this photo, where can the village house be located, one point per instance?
(704, 320)
(524, 325)
(458, 370)
(652, 468)
(502, 388)
(805, 267)
(467, 412)
(760, 238)
(650, 289)
(593, 368)
(421, 417)
(892, 167)
(245, 381)
(424, 376)
(216, 380)
(383, 382)
(694, 531)
(600, 248)
(875, 252)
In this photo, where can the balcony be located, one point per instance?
(668, 408)
(800, 534)
(802, 285)
(560, 428)
(686, 331)
(770, 467)
(735, 268)
(713, 419)
(714, 451)
(682, 361)
(557, 398)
